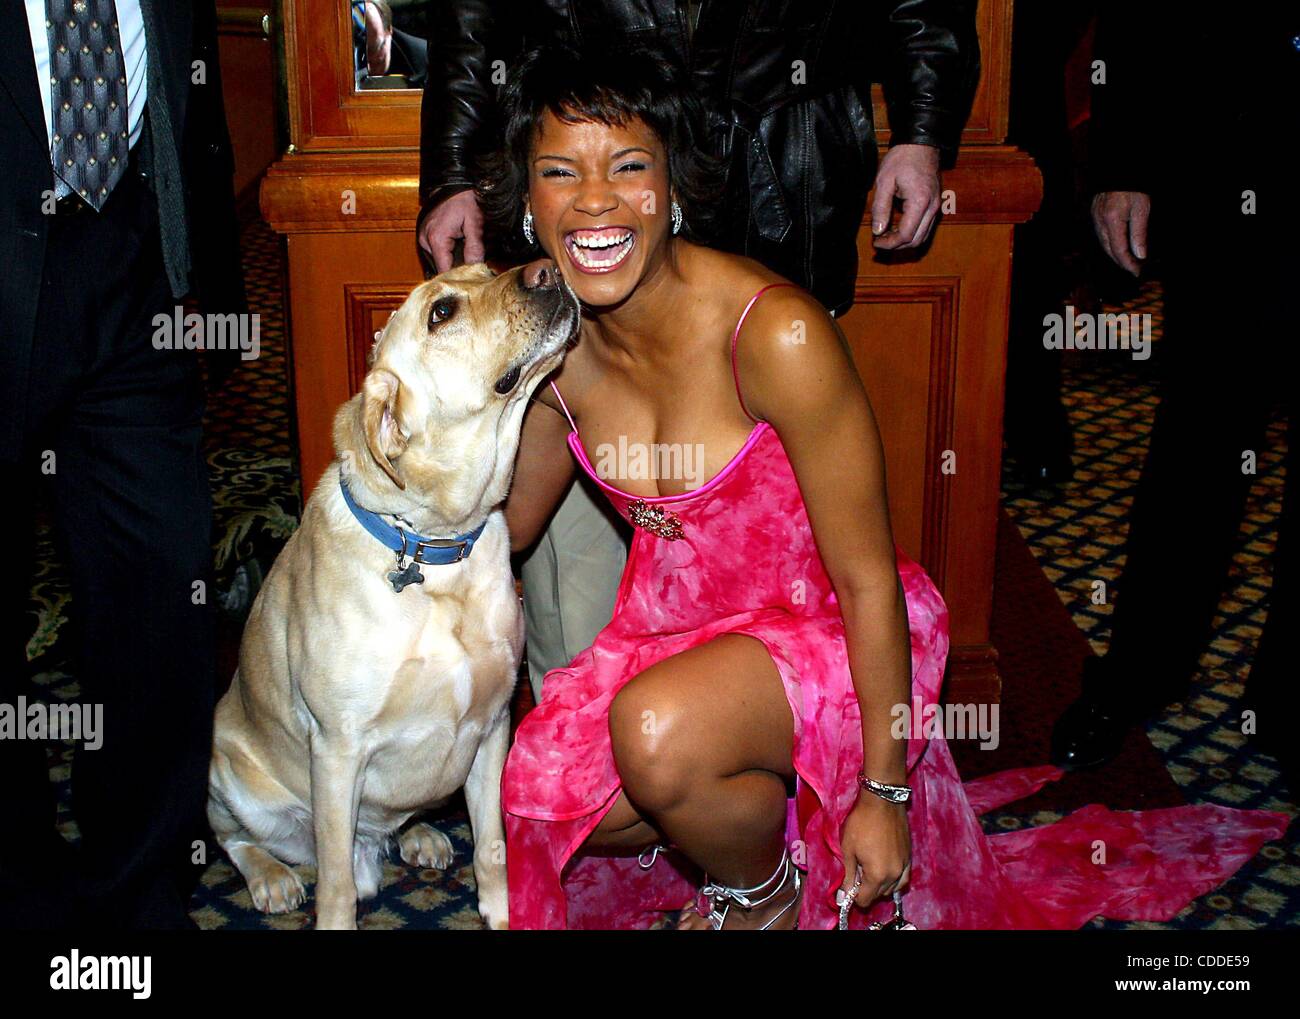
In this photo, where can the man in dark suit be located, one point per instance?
(115, 203)
(1195, 171)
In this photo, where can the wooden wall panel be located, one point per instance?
(322, 268)
(903, 335)
(368, 307)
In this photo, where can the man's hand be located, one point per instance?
(456, 217)
(911, 174)
(1120, 219)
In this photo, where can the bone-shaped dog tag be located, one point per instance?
(402, 578)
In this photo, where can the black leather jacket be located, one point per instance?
(801, 157)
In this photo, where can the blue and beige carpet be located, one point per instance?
(1052, 546)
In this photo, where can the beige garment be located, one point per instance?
(571, 579)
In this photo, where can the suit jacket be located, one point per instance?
(800, 156)
(196, 212)
(410, 57)
(1187, 99)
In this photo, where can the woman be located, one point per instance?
(740, 707)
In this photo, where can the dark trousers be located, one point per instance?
(1227, 344)
(113, 436)
(1036, 427)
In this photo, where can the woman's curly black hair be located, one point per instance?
(608, 85)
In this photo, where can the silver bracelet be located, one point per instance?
(892, 793)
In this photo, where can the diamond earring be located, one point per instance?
(677, 217)
(529, 236)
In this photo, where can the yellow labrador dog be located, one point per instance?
(378, 660)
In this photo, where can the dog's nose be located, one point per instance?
(541, 275)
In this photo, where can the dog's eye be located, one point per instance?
(441, 310)
(508, 381)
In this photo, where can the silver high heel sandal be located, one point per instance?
(716, 900)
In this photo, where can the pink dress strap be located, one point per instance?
(556, 390)
(735, 335)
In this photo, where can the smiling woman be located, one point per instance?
(730, 733)
(611, 87)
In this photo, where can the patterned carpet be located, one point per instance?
(1075, 536)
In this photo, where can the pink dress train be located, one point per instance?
(745, 562)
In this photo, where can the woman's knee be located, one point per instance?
(652, 744)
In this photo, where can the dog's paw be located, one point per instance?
(492, 898)
(495, 915)
(492, 905)
(422, 845)
(276, 888)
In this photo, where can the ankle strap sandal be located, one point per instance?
(715, 900)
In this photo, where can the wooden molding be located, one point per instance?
(367, 309)
(304, 192)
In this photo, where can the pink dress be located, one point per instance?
(737, 556)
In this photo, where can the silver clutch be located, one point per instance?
(896, 923)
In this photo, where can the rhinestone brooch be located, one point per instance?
(655, 519)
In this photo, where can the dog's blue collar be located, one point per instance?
(426, 551)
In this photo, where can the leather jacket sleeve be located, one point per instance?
(931, 59)
(457, 109)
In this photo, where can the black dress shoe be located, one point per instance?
(1042, 457)
(1043, 468)
(1089, 733)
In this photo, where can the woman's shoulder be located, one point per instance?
(774, 314)
(784, 338)
(737, 279)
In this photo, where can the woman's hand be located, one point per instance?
(876, 838)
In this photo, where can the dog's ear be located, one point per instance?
(384, 436)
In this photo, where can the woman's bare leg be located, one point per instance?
(621, 832)
(703, 745)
